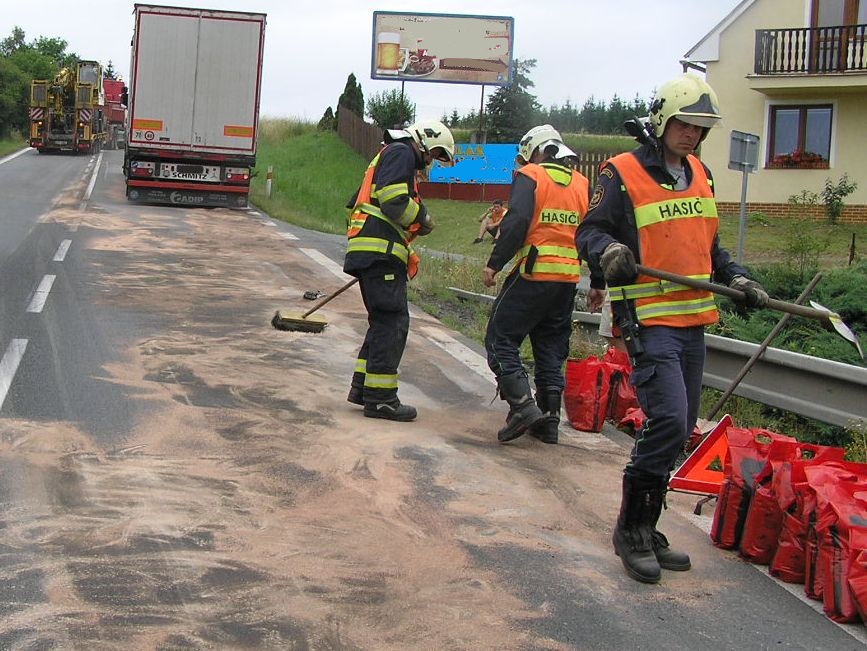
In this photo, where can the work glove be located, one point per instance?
(425, 224)
(618, 264)
(754, 294)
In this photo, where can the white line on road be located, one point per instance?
(326, 262)
(288, 235)
(90, 185)
(468, 357)
(41, 295)
(9, 365)
(15, 155)
(60, 256)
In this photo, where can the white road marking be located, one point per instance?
(9, 365)
(60, 256)
(466, 356)
(92, 183)
(287, 235)
(15, 155)
(41, 295)
(326, 262)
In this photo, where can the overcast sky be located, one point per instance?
(583, 48)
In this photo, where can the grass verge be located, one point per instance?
(11, 145)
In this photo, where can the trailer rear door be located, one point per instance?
(196, 79)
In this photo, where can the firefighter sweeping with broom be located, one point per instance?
(387, 213)
(655, 205)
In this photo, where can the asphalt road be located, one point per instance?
(176, 474)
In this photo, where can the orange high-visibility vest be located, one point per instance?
(497, 214)
(676, 230)
(364, 208)
(560, 204)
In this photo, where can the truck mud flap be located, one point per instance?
(192, 198)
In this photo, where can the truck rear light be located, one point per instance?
(138, 168)
(237, 174)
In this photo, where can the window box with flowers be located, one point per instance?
(800, 160)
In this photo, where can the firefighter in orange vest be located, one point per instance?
(656, 205)
(547, 200)
(386, 214)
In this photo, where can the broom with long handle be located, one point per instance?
(302, 323)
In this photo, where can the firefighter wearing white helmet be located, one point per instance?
(688, 98)
(387, 213)
(546, 203)
(543, 137)
(434, 139)
(655, 205)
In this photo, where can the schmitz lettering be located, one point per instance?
(553, 216)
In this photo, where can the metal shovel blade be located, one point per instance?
(842, 329)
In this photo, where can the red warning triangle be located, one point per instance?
(702, 472)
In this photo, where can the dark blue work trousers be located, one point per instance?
(667, 377)
(383, 290)
(539, 309)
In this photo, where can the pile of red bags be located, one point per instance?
(598, 389)
(802, 510)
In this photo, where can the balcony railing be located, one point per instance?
(817, 50)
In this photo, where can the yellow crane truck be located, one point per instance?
(67, 112)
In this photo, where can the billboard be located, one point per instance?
(444, 48)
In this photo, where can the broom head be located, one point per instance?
(295, 322)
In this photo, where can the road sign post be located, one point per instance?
(743, 156)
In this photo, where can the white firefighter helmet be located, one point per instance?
(547, 139)
(430, 134)
(690, 99)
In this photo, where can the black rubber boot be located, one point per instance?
(633, 539)
(391, 410)
(668, 558)
(356, 395)
(523, 411)
(547, 430)
(356, 389)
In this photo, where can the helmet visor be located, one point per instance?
(556, 149)
(443, 156)
(704, 121)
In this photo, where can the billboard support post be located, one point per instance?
(482, 138)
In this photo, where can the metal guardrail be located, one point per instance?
(828, 391)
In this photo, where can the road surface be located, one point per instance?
(176, 474)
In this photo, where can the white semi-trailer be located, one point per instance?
(195, 83)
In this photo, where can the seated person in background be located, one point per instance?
(490, 221)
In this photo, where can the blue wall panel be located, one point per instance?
(493, 164)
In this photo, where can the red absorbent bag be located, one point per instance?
(789, 560)
(843, 511)
(586, 393)
(821, 493)
(633, 418)
(764, 519)
(747, 455)
(621, 393)
(858, 570)
(796, 500)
